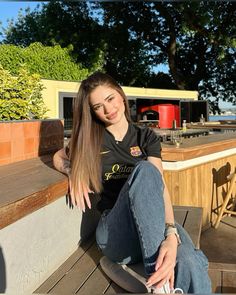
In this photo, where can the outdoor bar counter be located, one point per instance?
(196, 171)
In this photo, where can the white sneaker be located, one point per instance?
(165, 289)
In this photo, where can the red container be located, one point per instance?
(167, 114)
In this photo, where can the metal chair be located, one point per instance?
(226, 207)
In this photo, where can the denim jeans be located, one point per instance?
(133, 230)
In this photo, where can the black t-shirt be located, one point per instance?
(119, 158)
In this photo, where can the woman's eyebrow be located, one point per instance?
(106, 98)
(96, 104)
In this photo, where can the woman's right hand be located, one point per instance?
(81, 197)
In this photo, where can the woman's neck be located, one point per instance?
(119, 130)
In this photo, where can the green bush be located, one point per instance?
(50, 62)
(14, 109)
(21, 96)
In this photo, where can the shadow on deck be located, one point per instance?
(219, 245)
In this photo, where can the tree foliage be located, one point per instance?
(196, 40)
(20, 96)
(50, 62)
(63, 23)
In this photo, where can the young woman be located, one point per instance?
(111, 156)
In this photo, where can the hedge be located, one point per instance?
(50, 62)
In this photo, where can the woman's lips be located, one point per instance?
(112, 116)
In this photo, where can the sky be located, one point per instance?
(10, 9)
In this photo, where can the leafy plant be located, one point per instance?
(50, 62)
(20, 96)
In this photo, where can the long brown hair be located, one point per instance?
(87, 133)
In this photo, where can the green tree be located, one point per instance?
(196, 40)
(60, 23)
(50, 62)
(95, 46)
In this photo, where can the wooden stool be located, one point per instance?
(224, 207)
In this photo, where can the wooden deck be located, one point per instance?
(81, 273)
(219, 245)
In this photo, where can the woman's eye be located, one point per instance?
(96, 108)
(110, 98)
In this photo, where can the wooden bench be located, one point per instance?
(34, 216)
(81, 273)
(27, 186)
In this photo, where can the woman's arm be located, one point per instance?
(61, 162)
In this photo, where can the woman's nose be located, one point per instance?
(107, 108)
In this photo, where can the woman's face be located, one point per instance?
(108, 105)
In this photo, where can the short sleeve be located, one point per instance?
(152, 144)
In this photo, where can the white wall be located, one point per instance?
(36, 245)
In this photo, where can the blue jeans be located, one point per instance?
(133, 230)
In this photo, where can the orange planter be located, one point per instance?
(21, 140)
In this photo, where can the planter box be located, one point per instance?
(21, 140)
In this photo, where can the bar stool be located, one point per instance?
(226, 206)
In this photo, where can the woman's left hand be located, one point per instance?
(165, 264)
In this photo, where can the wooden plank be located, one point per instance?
(14, 211)
(199, 146)
(215, 276)
(193, 225)
(27, 182)
(180, 215)
(194, 186)
(80, 272)
(65, 267)
(228, 282)
(114, 289)
(96, 284)
(23, 166)
(31, 186)
(230, 267)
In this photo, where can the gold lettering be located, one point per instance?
(118, 171)
(115, 168)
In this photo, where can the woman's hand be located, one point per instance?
(80, 197)
(165, 264)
